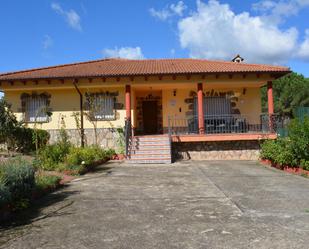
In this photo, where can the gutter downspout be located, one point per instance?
(82, 131)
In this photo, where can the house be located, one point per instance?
(202, 109)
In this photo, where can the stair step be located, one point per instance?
(150, 156)
(152, 137)
(150, 142)
(150, 161)
(150, 151)
(150, 147)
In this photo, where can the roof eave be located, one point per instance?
(276, 74)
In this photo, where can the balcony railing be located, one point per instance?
(233, 123)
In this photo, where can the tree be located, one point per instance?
(290, 92)
(8, 122)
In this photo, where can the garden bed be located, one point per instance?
(286, 168)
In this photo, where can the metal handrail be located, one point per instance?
(128, 132)
(226, 123)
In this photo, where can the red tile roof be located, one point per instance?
(125, 67)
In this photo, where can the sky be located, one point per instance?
(43, 33)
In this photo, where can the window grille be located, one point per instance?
(36, 109)
(214, 106)
(102, 107)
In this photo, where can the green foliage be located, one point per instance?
(278, 151)
(8, 122)
(299, 135)
(17, 136)
(293, 150)
(25, 139)
(50, 156)
(44, 182)
(304, 164)
(120, 140)
(5, 195)
(269, 149)
(87, 155)
(290, 92)
(18, 177)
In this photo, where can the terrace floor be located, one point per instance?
(216, 204)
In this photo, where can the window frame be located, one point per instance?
(105, 101)
(31, 116)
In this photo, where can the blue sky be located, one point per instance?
(41, 33)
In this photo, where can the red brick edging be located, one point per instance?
(286, 168)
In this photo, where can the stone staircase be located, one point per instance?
(150, 149)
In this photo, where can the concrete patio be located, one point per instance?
(215, 204)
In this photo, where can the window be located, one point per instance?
(214, 106)
(102, 106)
(36, 109)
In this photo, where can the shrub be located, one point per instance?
(269, 149)
(18, 177)
(46, 182)
(8, 121)
(50, 156)
(5, 195)
(79, 159)
(88, 155)
(278, 151)
(299, 138)
(24, 139)
(304, 164)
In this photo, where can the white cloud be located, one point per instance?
(214, 31)
(169, 11)
(124, 52)
(71, 16)
(277, 11)
(47, 42)
(303, 52)
(178, 8)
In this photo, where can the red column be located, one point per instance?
(270, 98)
(128, 101)
(270, 101)
(200, 107)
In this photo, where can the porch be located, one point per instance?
(183, 123)
(206, 114)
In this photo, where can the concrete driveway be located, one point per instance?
(230, 204)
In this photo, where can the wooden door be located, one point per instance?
(150, 117)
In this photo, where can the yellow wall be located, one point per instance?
(249, 103)
(65, 100)
(64, 103)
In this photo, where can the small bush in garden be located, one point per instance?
(79, 159)
(299, 139)
(25, 139)
(72, 169)
(278, 151)
(284, 155)
(50, 156)
(5, 195)
(88, 155)
(269, 149)
(45, 182)
(18, 177)
(304, 164)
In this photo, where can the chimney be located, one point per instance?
(238, 59)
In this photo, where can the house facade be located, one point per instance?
(208, 109)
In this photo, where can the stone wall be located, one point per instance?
(225, 150)
(107, 138)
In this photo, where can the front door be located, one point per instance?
(150, 117)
